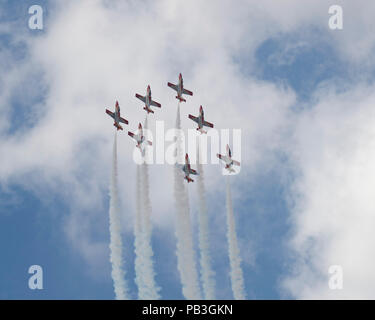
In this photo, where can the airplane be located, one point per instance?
(229, 162)
(188, 170)
(180, 88)
(200, 120)
(116, 116)
(140, 138)
(148, 101)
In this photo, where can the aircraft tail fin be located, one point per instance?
(148, 110)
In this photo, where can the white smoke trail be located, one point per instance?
(234, 252)
(144, 268)
(207, 273)
(152, 290)
(146, 220)
(115, 245)
(139, 257)
(185, 250)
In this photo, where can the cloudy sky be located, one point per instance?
(302, 94)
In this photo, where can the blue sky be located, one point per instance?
(35, 214)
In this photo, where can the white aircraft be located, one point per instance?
(140, 138)
(200, 121)
(229, 162)
(180, 88)
(116, 116)
(188, 170)
(148, 100)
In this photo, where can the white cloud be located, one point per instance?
(333, 213)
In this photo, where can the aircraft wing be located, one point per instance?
(184, 91)
(224, 158)
(237, 163)
(193, 118)
(208, 124)
(155, 104)
(142, 98)
(192, 171)
(124, 120)
(111, 114)
(131, 134)
(173, 86)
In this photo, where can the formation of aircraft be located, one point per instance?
(200, 121)
(179, 87)
(229, 162)
(147, 100)
(117, 117)
(140, 138)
